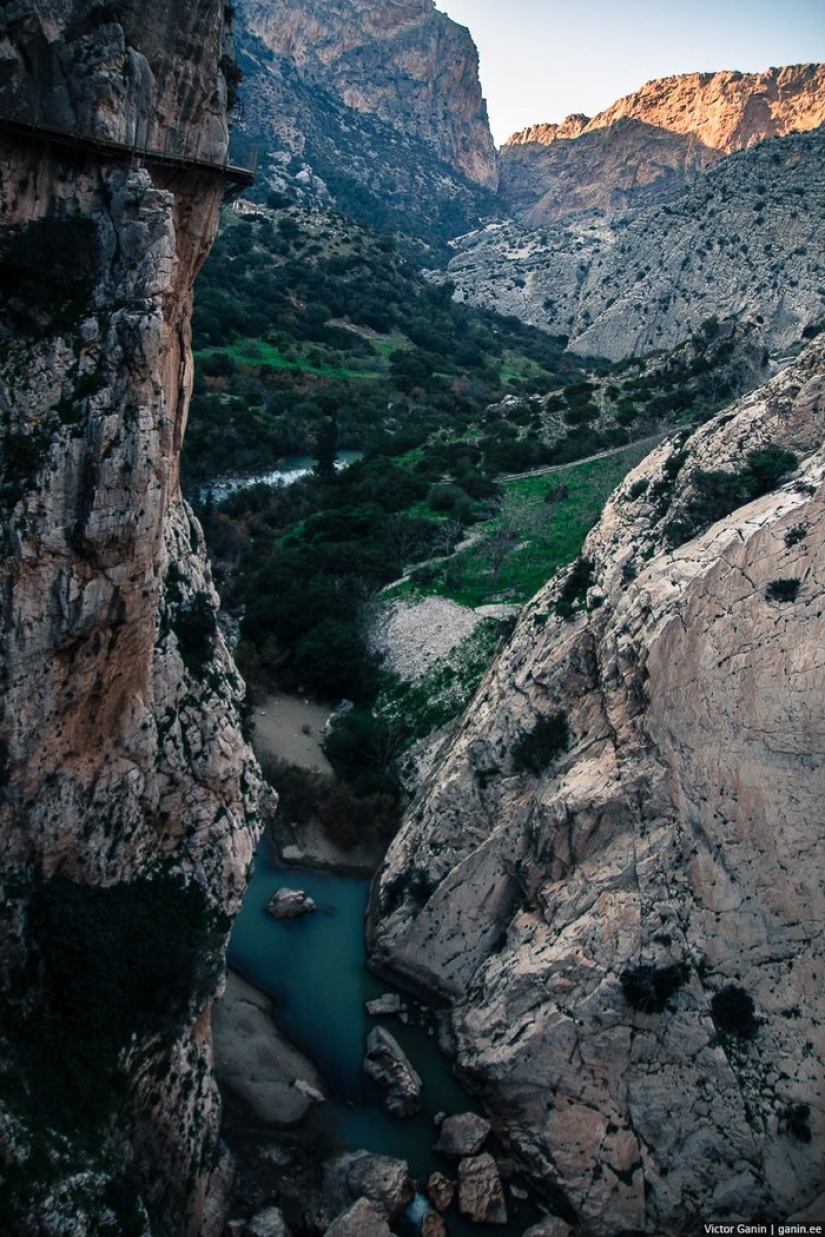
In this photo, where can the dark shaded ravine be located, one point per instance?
(315, 970)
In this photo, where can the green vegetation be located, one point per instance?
(302, 316)
(783, 590)
(649, 988)
(347, 817)
(734, 1013)
(415, 710)
(314, 335)
(715, 494)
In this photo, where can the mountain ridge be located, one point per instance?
(691, 121)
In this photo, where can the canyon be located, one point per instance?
(609, 879)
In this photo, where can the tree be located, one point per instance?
(326, 447)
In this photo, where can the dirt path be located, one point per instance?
(547, 469)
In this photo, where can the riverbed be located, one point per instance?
(314, 969)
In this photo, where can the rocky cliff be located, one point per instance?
(647, 146)
(399, 60)
(375, 108)
(613, 875)
(129, 798)
(744, 241)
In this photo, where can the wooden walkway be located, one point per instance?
(174, 155)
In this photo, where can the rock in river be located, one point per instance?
(257, 1063)
(463, 1134)
(387, 1065)
(381, 1179)
(362, 1219)
(289, 904)
(440, 1191)
(480, 1193)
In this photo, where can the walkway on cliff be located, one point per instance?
(175, 155)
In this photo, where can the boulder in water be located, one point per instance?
(289, 904)
(480, 1193)
(387, 1065)
(440, 1191)
(462, 1135)
(362, 1219)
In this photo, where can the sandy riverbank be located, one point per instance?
(291, 728)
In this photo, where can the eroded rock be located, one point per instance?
(267, 1223)
(255, 1061)
(383, 1180)
(600, 907)
(440, 1191)
(361, 1219)
(432, 1225)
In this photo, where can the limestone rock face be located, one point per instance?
(649, 144)
(614, 875)
(399, 60)
(126, 786)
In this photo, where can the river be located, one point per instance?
(291, 469)
(314, 968)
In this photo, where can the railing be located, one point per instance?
(180, 151)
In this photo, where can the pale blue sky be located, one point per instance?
(543, 59)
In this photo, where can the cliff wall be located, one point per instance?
(129, 798)
(399, 60)
(613, 874)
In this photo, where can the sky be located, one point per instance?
(543, 59)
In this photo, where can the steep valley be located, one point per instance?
(603, 895)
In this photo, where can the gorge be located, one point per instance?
(607, 882)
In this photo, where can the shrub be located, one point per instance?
(796, 1121)
(783, 590)
(131, 959)
(578, 581)
(795, 534)
(535, 750)
(195, 626)
(733, 1012)
(348, 819)
(717, 493)
(649, 988)
(301, 792)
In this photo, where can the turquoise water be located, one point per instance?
(314, 968)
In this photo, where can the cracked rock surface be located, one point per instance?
(123, 769)
(626, 916)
